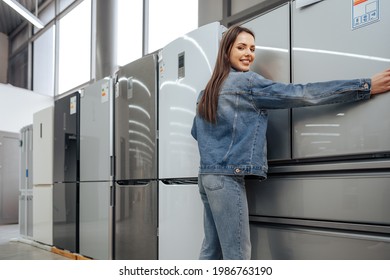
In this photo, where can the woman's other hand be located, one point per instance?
(380, 82)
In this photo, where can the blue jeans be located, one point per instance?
(226, 219)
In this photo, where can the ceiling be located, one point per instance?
(9, 19)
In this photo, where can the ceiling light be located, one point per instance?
(24, 12)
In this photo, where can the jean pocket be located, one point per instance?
(213, 182)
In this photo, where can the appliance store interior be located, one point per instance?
(97, 160)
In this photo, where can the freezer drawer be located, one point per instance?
(180, 222)
(43, 214)
(297, 243)
(136, 222)
(344, 198)
(95, 220)
(26, 214)
(65, 216)
(272, 31)
(325, 49)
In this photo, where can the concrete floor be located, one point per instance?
(14, 247)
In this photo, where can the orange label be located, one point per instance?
(357, 2)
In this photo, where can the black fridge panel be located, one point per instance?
(65, 216)
(66, 138)
(65, 172)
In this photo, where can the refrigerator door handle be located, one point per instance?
(112, 195)
(181, 181)
(112, 162)
(304, 3)
(134, 183)
(64, 121)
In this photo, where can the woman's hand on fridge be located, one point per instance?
(380, 82)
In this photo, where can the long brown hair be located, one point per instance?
(207, 107)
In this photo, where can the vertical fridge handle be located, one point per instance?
(112, 195)
(64, 121)
(112, 162)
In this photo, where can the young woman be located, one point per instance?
(230, 127)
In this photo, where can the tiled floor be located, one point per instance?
(13, 247)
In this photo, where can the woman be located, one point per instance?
(230, 127)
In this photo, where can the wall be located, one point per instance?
(3, 57)
(18, 105)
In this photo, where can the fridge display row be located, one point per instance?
(125, 165)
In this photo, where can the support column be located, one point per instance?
(106, 38)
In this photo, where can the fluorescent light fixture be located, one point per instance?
(24, 12)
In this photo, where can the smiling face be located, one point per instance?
(242, 53)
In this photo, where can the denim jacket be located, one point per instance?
(236, 144)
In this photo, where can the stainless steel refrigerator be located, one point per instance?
(272, 61)
(66, 172)
(135, 149)
(331, 200)
(185, 66)
(96, 151)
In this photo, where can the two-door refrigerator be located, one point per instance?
(96, 151)
(66, 172)
(26, 182)
(185, 66)
(43, 125)
(136, 160)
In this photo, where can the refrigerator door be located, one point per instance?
(43, 147)
(24, 157)
(66, 141)
(136, 120)
(96, 131)
(272, 31)
(43, 214)
(180, 221)
(325, 49)
(136, 222)
(185, 66)
(95, 220)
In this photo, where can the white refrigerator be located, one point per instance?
(43, 125)
(185, 66)
(96, 151)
